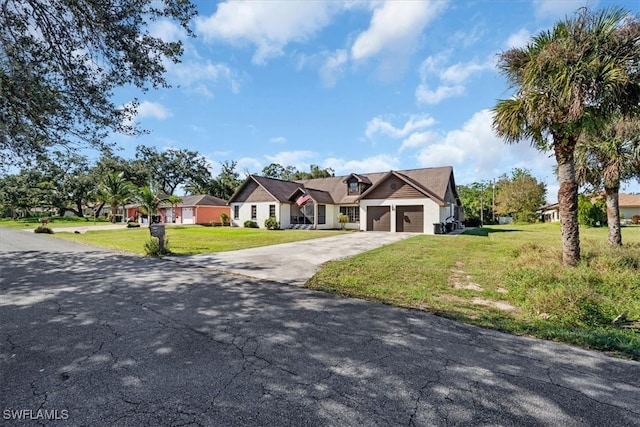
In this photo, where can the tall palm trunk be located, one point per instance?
(611, 174)
(114, 210)
(613, 216)
(568, 202)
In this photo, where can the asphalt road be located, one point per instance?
(108, 339)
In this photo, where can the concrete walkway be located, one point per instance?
(292, 263)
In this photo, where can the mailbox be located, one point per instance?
(156, 230)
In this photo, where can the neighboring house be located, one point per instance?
(410, 200)
(550, 213)
(197, 209)
(629, 206)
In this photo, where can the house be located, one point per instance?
(196, 209)
(417, 200)
(550, 213)
(629, 205)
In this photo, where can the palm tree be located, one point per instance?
(115, 190)
(568, 81)
(608, 160)
(150, 200)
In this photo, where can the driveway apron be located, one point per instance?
(292, 263)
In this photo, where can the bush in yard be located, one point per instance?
(271, 224)
(43, 229)
(224, 218)
(152, 247)
(250, 224)
(590, 214)
(343, 219)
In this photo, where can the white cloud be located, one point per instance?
(269, 26)
(519, 39)
(475, 140)
(395, 26)
(377, 125)
(418, 139)
(196, 75)
(249, 165)
(278, 140)
(300, 159)
(153, 110)
(379, 163)
(424, 95)
(556, 9)
(449, 81)
(460, 73)
(468, 37)
(478, 154)
(333, 67)
(167, 30)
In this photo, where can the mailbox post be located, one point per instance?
(157, 230)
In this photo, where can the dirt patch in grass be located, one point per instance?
(500, 305)
(459, 279)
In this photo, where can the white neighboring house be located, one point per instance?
(416, 200)
(629, 205)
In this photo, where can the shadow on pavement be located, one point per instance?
(124, 340)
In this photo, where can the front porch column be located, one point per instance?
(315, 216)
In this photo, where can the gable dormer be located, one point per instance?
(356, 184)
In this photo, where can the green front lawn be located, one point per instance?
(190, 240)
(508, 278)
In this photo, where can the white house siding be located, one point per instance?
(628, 213)
(446, 212)
(432, 211)
(245, 214)
(283, 215)
(331, 219)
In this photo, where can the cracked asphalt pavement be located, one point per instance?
(123, 340)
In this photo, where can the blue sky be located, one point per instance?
(358, 86)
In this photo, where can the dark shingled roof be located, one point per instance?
(430, 181)
(278, 188)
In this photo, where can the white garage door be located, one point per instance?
(187, 215)
(168, 215)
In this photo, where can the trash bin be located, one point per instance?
(437, 228)
(449, 227)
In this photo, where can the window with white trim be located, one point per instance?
(353, 212)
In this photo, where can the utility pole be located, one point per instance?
(493, 202)
(481, 204)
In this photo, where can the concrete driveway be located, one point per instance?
(292, 263)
